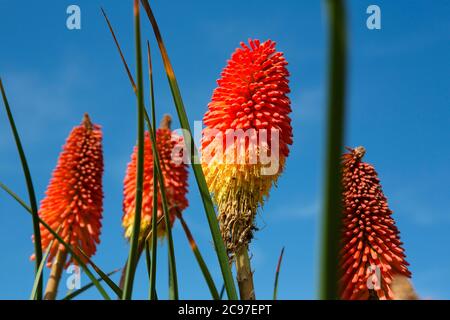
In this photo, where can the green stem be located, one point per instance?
(331, 223)
(155, 186)
(132, 258)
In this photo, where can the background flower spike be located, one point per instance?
(74, 200)
(372, 253)
(175, 179)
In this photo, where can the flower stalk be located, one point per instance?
(51, 290)
(244, 274)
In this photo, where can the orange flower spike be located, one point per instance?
(252, 93)
(372, 252)
(74, 197)
(251, 97)
(175, 180)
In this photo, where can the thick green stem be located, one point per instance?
(332, 214)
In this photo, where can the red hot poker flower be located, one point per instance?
(175, 180)
(372, 253)
(251, 98)
(252, 93)
(74, 197)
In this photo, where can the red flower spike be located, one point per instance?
(175, 180)
(74, 197)
(252, 93)
(372, 253)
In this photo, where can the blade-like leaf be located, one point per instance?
(148, 259)
(222, 292)
(132, 257)
(173, 282)
(173, 289)
(198, 172)
(60, 240)
(130, 77)
(155, 184)
(149, 265)
(31, 192)
(74, 294)
(201, 263)
(277, 274)
(102, 275)
(15, 197)
(332, 202)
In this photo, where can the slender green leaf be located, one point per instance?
(155, 184)
(130, 77)
(142, 246)
(132, 258)
(153, 295)
(149, 265)
(277, 274)
(222, 292)
(148, 259)
(198, 172)
(173, 282)
(198, 256)
(150, 234)
(332, 206)
(15, 197)
(76, 293)
(31, 192)
(102, 275)
(60, 240)
(173, 289)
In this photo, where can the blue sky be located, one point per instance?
(398, 108)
